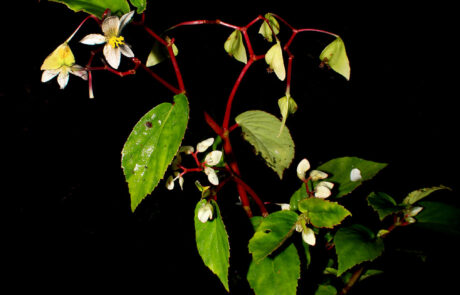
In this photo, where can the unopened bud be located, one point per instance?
(302, 168)
(318, 175)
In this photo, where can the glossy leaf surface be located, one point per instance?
(97, 7)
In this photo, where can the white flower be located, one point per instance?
(212, 176)
(316, 175)
(323, 189)
(205, 212)
(355, 175)
(284, 206)
(302, 168)
(308, 236)
(170, 181)
(115, 43)
(204, 145)
(60, 63)
(213, 158)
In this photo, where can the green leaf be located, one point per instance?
(298, 195)
(274, 58)
(354, 245)
(439, 217)
(212, 243)
(341, 170)
(272, 232)
(269, 29)
(287, 106)
(152, 145)
(383, 204)
(326, 290)
(335, 56)
(97, 7)
(420, 194)
(141, 5)
(260, 129)
(235, 46)
(276, 275)
(159, 53)
(323, 213)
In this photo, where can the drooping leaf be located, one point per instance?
(97, 7)
(323, 213)
(234, 46)
(383, 204)
(335, 56)
(141, 5)
(354, 245)
(152, 145)
(212, 243)
(276, 275)
(420, 194)
(274, 58)
(159, 53)
(271, 233)
(340, 172)
(261, 130)
(440, 217)
(287, 106)
(269, 29)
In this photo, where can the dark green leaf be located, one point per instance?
(340, 171)
(440, 217)
(212, 243)
(276, 275)
(326, 290)
(354, 245)
(272, 232)
(152, 145)
(299, 195)
(97, 7)
(383, 204)
(323, 213)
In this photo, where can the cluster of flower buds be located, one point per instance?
(323, 189)
(211, 159)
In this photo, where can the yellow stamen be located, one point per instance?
(116, 41)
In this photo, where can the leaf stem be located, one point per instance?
(354, 278)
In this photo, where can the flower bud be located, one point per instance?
(318, 175)
(308, 236)
(302, 168)
(205, 212)
(213, 158)
(204, 145)
(355, 175)
(212, 176)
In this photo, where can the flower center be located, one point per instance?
(116, 41)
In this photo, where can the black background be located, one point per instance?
(68, 221)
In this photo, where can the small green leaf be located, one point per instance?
(326, 290)
(341, 171)
(269, 29)
(298, 195)
(260, 129)
(354, 245)
(323, 213)
(97, 7)
(276, 275)
(152, 145)
(274, 58)
(272, 232)
(420, 194)
(159, 53)
(235, 46)
(335, 56)
(383, 204)
(287, 106)
(141, 5)
(212, 243)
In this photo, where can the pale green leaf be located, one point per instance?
(212, 243)
(335, 56)
(323, 213)
(420, 194)
(97, 7)
(287, 106)
(356, 244)
(340, 172)
(234, 46)
(269, 29)
(271, 233)
(159, 53)
(141, 5)
(152, 145)
(274, 58)
(276, 275)
(261, 130)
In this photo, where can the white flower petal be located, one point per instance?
(63, 78)
(93, 39)
(284, 206)
(213, 158)
(110, 26)
(414, 211)
(308, 236)
(204, 145)
(322, 192)
(49, 74)
(317, 175)
(170, 183)
(327, 184)
(302, 168)
(112, 55)
(124, 20)
(205, 213)
(126, 50)
(355, 175)
(212, 176)
(79, 71)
